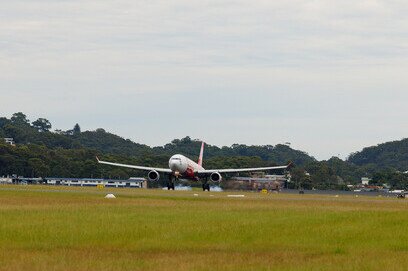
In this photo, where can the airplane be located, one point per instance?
(182, 167)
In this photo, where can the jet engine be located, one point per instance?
(153, 176)
(215, 177)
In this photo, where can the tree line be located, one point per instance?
(40, 152)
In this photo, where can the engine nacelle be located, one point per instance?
(153, 176)
(215, 177)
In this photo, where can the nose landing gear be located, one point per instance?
(170, 183)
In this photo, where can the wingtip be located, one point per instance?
(97, 159)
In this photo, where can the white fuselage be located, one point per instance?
(183, 166)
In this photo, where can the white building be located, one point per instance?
(365, 180)
(132, 182)
(6, 180)
(9, 140)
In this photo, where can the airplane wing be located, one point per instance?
(231, 170)
(162, 170)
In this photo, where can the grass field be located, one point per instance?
(65, 228)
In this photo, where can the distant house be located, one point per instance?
(9, 141)
(365, 180)
(6, 180)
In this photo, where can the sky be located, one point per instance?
(328, 76)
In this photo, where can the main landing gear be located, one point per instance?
(170, 186)
(206, 186)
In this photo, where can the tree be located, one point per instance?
(3, 122)
(42, 125)
(20, 119)
(300, 179)
(76, 130)
(38, 167)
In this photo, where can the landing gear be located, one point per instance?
(206, 186)
(170, 183)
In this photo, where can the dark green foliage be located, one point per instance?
(71, 153)
(279, 154)
(42, 125)
(20, 119)
(331, 174)
(110, 143)
(391, 154)
(3, 122)
(322, 175)
(391, 177)
(76, 130)
(38, 167)
(39, 161)
(300, 179)
(347, 171)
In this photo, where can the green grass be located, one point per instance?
(62, 228)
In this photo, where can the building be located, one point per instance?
(365, 181)
(9, 141)
(269, 182)
(24, 180)
(6, 180)
(131, 183)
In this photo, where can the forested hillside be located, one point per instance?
(109, 143)
(57, 153)
(40, 152)
(392, 155)
(38, 132)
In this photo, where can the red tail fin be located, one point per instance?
(200, 158)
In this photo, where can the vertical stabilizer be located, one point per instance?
(200, 158)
